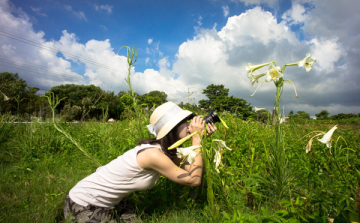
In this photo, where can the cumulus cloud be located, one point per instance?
(150, 41)
(328, 52)
(40, 64)
(255, 37)
(296, 15)
(225, 10)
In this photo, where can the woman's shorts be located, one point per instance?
(122, 212)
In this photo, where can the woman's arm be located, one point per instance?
(211, 128)
(158, 161)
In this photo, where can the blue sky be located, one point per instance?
(186, 45)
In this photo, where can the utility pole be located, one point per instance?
(189, 94)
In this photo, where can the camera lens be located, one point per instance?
(212, 117)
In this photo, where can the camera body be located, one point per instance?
(212, 117)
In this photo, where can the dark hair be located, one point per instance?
(166, 141)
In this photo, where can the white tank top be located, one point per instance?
(114, 181)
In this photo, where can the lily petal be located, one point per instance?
(327, 137)
(273, 74)
(307, 62)
(187, 153)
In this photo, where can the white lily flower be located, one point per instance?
(307, 62)
(187, 153)
(327, 137)
(220, 144)
(259, 109)
(255, 78)
(6, 98)
(251, 69)
(273, 74)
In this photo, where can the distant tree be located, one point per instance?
(74, 94)
(121, 93)
(324, 114)
(158, 94)
(291, 114)
(213, 92)
(342, 116)
(302, 114)
(219, 100)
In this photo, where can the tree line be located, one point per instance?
(85, 102)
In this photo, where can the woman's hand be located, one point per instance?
(211, 128)
(197, 124)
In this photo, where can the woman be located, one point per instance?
(100, 196)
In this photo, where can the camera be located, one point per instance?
(212, 117)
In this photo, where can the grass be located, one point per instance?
(39, 166)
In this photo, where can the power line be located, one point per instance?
(55, 50)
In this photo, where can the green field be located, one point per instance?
(39, 166)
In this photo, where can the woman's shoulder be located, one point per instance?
(150, 156)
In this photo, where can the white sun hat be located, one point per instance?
(165, 118)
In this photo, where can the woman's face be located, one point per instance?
(183, 130)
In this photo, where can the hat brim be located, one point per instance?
(172, 123)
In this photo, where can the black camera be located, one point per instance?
(212, 117)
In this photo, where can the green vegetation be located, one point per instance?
(39, 166)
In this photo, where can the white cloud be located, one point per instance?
(295, 15)
(257, 2)
(199, 20)
(327, 52)
(40, 64)
(107, 8)
(104, 27)
(79, 14)
(225, 10)
(255, 25)
(153, 51)
(38, 11)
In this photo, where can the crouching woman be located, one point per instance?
(101, 197)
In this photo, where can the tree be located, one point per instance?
(291, 114)
(213, 92)
(13, 88)
(343, 116)
(159, 94)
(302, 114)
(219, 100)
(324, 114)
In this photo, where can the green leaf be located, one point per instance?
(282, 212)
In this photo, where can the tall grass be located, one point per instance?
(39, 165)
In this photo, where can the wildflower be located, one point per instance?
(273, 74)
(187, 153)
(255, 78)
(218, 152)
(309, 144)
(327, 137)
(307, 62)
(6, 98)
(251, 69)
(259, 109)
